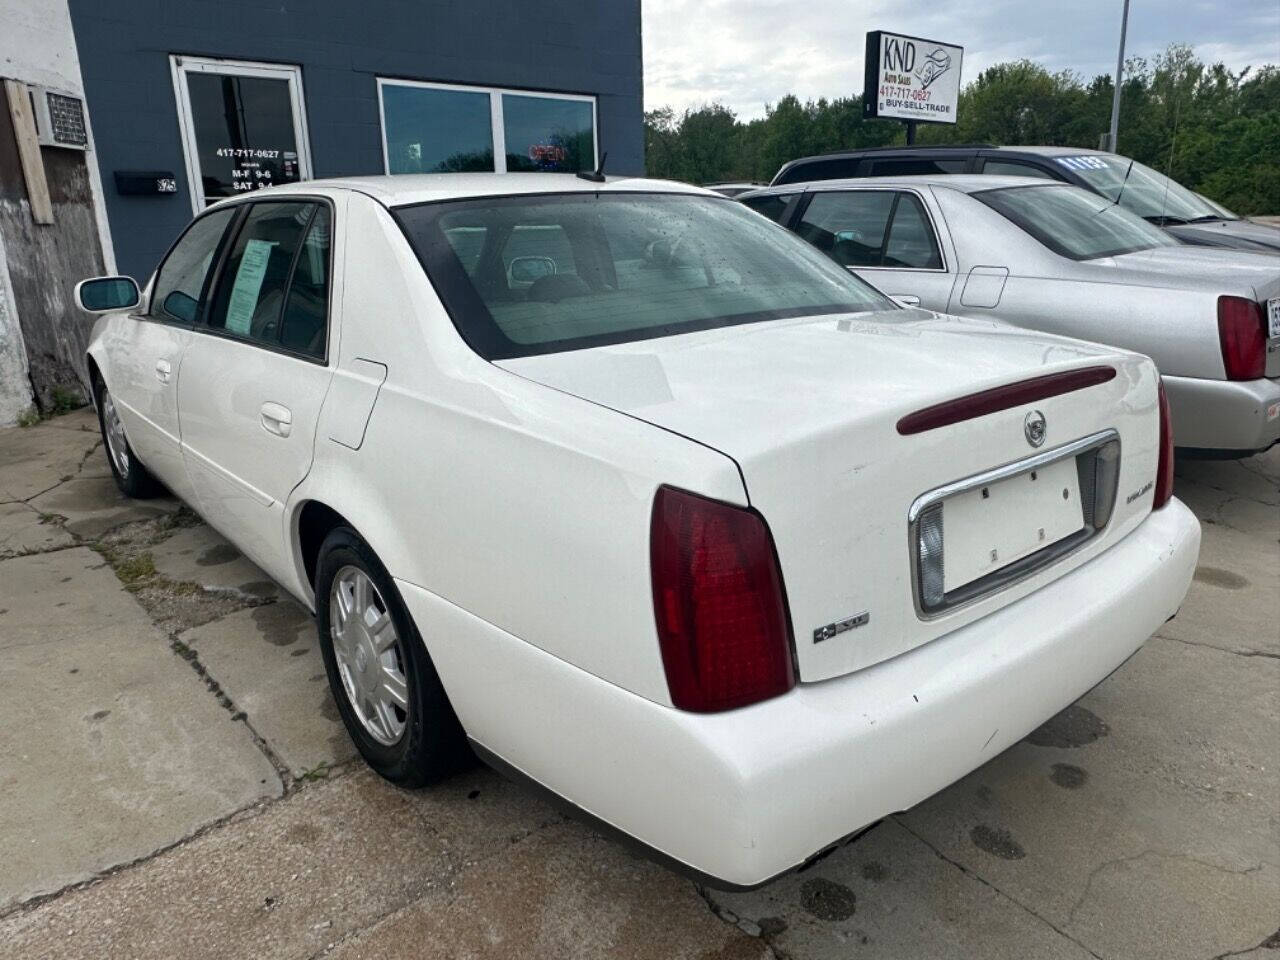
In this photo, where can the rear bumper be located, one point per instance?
(1224, 414)
(743, 796)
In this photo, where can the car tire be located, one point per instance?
(411, 737)
(131, 476)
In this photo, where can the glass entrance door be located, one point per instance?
(243, 126)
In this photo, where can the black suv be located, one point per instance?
(1187, 215)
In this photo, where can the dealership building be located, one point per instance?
(160, 107)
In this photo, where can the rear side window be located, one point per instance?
(836, 169)
(871, 228)
(911, 166)
(848, 227)
(772, 206)
(276, 241)
(179, 291)
(306, 311)
(911, 241)
(1015, 168)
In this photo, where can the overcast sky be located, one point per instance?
(747, 53)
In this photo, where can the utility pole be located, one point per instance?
(1115, 99)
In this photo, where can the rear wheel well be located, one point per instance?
(314, 524)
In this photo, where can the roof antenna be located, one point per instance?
(596, 176)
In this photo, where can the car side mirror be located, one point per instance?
(526, 270)
(107, 294)
(181, 306)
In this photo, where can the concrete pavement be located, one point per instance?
(174, 780)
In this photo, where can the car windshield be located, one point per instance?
(1144, 191)
(1222, 211)
(1073, 222)
(546, 273)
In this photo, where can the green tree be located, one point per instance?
(1212, 130)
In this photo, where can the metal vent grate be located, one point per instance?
(66, 119)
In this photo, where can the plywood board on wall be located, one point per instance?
(24, 132)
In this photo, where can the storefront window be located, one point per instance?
(548, 134)
(434, 128)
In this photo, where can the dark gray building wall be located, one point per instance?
(342, 46)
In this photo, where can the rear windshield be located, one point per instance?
(547, 273)
(1073, 222)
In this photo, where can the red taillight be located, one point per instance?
(718, 601)
(1243, 339)
(1164, 465)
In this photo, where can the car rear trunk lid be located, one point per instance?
(810, 411)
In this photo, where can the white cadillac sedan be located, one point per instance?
(646, 498)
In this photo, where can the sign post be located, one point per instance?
(911, 79)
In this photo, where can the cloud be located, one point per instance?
(749, 53)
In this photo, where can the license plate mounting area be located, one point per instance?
(991, 526)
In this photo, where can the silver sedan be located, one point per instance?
(1057, 258)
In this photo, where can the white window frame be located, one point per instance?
(181, 65)
(497, 128)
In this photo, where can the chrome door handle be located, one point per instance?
(906, 299)
(277, 419)
(163, 370)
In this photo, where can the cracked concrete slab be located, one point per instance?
(267, 660)
(24, 530)
(200, 555)
(564, 892)
(94, 505)
(1234, 600)
(83, 420)
(288, 880)
(1257, 478)
(889, 895)
(110, 746)
(38, 458)
(1140, 821)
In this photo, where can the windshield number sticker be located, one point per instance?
(1083, 163)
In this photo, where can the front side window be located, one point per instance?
(436, 128)
(772, 206)
(255, 299)
(179, 291)
(571, 271)
(1073, 222)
